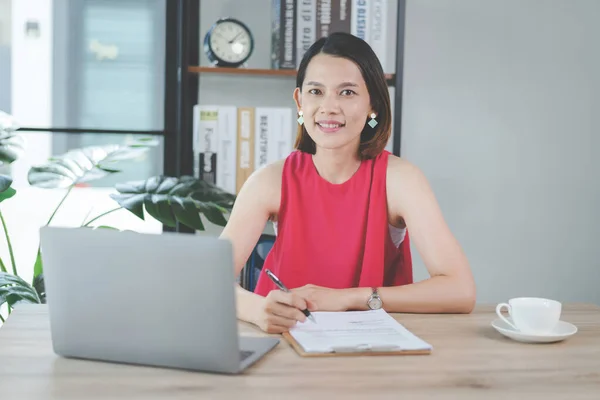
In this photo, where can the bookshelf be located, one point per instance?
(191, 79)
(390, 78)
(242, 71)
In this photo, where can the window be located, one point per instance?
(77, 73)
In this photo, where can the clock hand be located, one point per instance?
(235, 37)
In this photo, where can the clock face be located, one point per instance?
(230, 42)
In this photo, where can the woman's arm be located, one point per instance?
(257, 200)
(451, 287)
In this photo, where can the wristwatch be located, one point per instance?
(374, 301)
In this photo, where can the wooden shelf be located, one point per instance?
(243, 71)
(257, 71)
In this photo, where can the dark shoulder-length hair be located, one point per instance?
(345, 45)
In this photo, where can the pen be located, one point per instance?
(281, 286)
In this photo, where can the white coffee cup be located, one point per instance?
(531, 315)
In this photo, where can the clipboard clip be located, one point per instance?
(365, 347)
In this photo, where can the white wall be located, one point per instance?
(5, 30)
(501, 112)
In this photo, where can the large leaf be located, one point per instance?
(171, 200)
(84, 165)
(14, 290)
(38, 267)
(40, 287)
(6, 192)
(12, 145)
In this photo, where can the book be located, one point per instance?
(378, 35)
(205, 142)
(372, 332)
(306, 31)
(245, 145)
(360, 25)
(323, 25)
(231, 142)
(227, 148)
(283, 34)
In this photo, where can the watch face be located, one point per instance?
(231, 42)
(375, 303)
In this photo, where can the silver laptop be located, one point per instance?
(165, 300)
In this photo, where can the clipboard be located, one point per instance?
(353, 352)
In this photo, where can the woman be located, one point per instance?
(343, 206)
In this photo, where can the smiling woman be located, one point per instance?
(358, 96)
(344, 206)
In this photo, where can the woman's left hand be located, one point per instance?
(325, 299)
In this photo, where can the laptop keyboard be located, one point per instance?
(245, 354)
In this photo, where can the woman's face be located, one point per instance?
(335, 102)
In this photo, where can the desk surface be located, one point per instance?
(470, 361)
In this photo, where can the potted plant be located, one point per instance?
(169, 200)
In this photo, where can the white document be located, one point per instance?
(355, 331)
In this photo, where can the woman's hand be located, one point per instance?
(327, 299)
(280, 311)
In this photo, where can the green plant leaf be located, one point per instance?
(5, 182)
(171, 200)
(84, 165)
(38, 267)
(6, 192)
(40, 287)
(14, 290)
(12, 145)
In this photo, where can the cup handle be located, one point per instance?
(499, 308)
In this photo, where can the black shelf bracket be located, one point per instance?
(397, 112)
(181, 89)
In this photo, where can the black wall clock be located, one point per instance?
(228, 43)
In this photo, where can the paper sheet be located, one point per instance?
(373, 330)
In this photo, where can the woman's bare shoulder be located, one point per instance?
(264, 185)
(268, 176)
(406, 184)
(399, 167)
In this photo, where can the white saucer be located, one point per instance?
(562, 331)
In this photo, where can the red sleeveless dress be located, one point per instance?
(335, 235)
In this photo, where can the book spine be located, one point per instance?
(275, 32)
(207, 144)
(360, 19)
(245, 145)
(378, 33)
(227, 149)
(306, 15)
(340, 16)
(323, 18)
(263, 122)
(196, 140)
(287, 56)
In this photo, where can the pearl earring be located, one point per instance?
(373, 123)
(300, 117)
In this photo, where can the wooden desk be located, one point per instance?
(470, 361)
